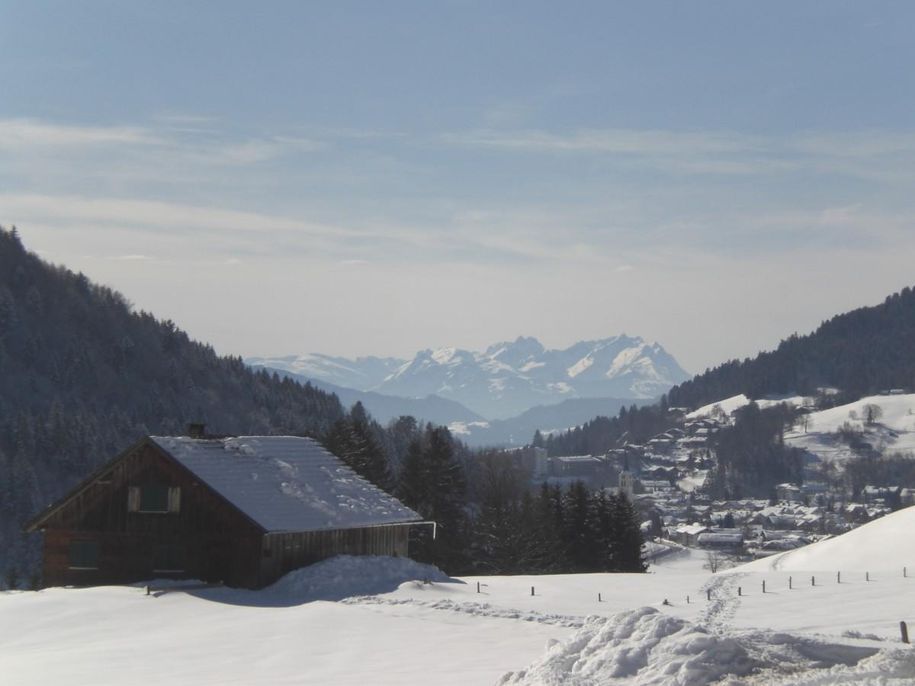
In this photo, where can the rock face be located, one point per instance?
(507, 378)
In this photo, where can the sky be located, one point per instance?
(368, 178)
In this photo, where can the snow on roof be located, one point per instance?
(286, 483)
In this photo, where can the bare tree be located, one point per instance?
(804, 421)
(872, 413)
(712, 561)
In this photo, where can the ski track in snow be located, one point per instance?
(477, 609)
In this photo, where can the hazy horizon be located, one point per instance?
(356, 179)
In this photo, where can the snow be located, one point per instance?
(898, 413)
(734, 403)
(466, 428)
(286, 483)
(377, 620)
(580, 366)
(728, 406)
(642, 644)
(446, 356)
(632, 357)
(894, 430)
(885, 545)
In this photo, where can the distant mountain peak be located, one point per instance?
(508, 377)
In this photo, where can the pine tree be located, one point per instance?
(626, 543)
(432, 482)
(353, 439)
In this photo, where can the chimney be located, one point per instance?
(196, 430)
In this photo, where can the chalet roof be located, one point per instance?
(286, 483)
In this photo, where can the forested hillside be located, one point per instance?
(861, 352)
(82, 376)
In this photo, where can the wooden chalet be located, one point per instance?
(242, 511)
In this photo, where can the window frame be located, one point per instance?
(172, 504)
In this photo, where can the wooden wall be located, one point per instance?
(218, 542)
(283, 552)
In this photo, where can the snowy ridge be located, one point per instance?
(507, 378)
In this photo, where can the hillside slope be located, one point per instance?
(860, 352)
(885, 544)
(82, 376)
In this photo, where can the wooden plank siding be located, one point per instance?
(283, 552)
(218, 542)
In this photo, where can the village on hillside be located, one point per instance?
(667, 477)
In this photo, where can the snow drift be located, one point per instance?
(350, 575)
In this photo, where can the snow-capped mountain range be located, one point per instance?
(507, 378)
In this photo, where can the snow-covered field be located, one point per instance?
(893, 431)
(386, 621)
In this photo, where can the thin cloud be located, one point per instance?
(26, 133)
(132, 258)
(611, 141)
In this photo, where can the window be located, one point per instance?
(83, 554)
(153, 497)
(168, 557)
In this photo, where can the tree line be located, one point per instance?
(861, 352)
(488, 518)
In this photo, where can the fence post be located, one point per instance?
(764, 585)
(789, 583)
(687, 600)
(532, 590)
(838, 577)
(813, 581)
(904, 573)
(478, 587)
(739, 591)
(708, 594)
(904, 630)
(598, 597)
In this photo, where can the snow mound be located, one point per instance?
(888, 667)
(645, 647)
(883, 544)
(352, 575)
(641, 646)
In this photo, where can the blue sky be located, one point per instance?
(374, 178)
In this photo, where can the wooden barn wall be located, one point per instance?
(218, 542)
(284, 552)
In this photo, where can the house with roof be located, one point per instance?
(243, 511)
